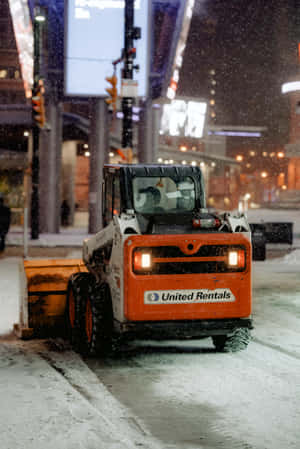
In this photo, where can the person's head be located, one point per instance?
(152, 196)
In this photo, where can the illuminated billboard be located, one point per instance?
(24, 39)
(183, 118)
(94, 38)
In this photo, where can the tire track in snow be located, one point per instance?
(276, 348)
(119, 420)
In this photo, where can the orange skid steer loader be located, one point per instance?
(161, 267)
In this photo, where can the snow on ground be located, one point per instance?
(60, 403)
(67, 237)
(9, 294)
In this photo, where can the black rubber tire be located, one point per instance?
(237, 341)
(77, 291)
(97, 334)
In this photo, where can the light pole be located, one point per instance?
(131, 33)
(38, 21)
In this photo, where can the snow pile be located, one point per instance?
(9, 294)
(292, 258)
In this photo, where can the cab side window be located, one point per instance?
(112, 198)
(116, 196)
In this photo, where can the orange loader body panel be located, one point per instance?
(135, 285)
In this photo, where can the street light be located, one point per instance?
(39, 14)
(40, 18)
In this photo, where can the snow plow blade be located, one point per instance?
(43, 293)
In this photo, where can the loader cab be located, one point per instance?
(154, 192)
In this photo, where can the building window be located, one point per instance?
(3, 73)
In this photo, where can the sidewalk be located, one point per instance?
(68, 237)
(71, 236)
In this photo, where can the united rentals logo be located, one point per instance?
(189, 296)
(152, 297)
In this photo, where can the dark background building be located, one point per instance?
(252, 48)
(239, 54)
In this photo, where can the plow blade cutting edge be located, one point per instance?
(43, 294)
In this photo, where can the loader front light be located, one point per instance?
(236, 258)
(142, 261)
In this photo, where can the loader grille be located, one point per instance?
(172, 260)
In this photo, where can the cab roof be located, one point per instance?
(154, 170)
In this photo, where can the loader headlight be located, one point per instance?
(142, 261)
(236, 258)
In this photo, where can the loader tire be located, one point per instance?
(237, 341)
(76, 294)
(98, 321)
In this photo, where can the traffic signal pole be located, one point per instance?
(127, 73)
(129, 52)
(37, 24)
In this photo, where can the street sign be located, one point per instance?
(129, 88)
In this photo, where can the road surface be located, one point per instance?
(161, 395)
(188, 396)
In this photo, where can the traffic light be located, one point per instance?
(112, 91)
(38, 105)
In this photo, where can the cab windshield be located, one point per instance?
(163, 195)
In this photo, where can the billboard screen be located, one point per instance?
(183, 118)
(94, 38)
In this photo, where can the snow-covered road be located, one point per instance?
(191, 397)
(159, 395)
(166, 395)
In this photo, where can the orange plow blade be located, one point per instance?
(43, 294)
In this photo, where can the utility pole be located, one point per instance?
(37, 28)
(128, 86)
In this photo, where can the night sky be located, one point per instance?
(253, 48)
